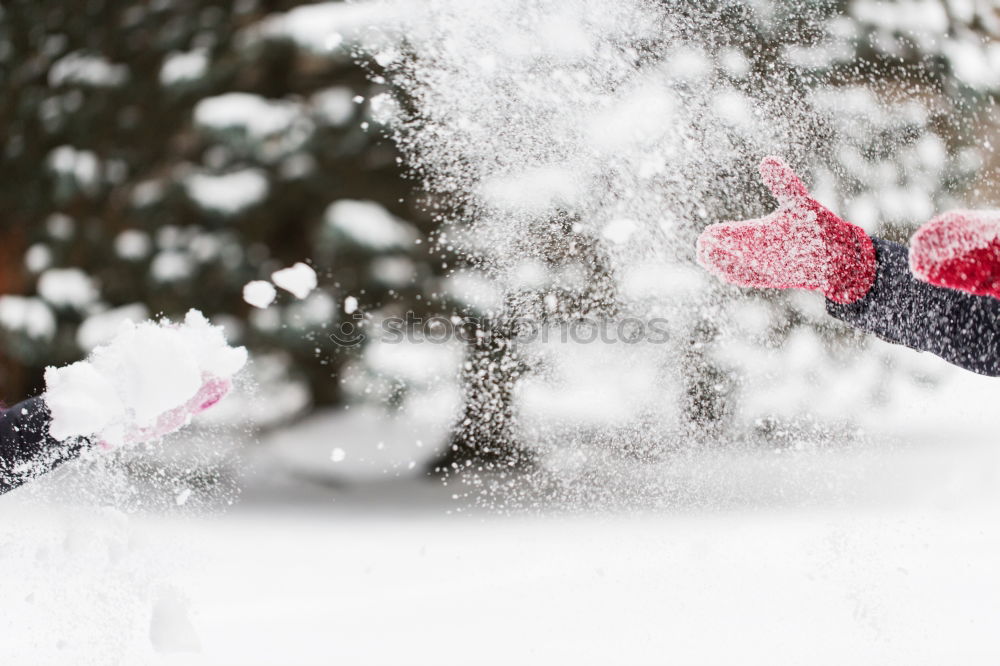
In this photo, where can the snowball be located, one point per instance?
(259, 293)
(299, 279)
(350, 305)
(148, 370)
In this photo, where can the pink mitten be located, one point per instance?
(212, 391)
(959, 250)
(802, 245)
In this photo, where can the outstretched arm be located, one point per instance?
(26, 448)
(961, 328)
(868, 283)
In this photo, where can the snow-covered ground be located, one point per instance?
(886, 555)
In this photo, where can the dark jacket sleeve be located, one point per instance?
(960, 328)
(26, 448)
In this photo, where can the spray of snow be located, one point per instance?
(582, 140)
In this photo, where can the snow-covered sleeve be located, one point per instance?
(26, 448)
(961, 328)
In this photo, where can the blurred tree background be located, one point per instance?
(158, 155)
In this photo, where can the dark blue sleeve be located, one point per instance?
(26, 448)
(960, 328)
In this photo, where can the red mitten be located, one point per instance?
(959, 250)
(802, 245)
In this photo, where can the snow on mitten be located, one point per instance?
(802, 245)
(959, 249)
(147, 382)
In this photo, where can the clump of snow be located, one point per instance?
(81, 165)
(328, 26)
(619, 231)
(299, 279)
(67, 288)
(148, 372)
(29, 315)
(536, 191)
(171, 266)
(350, 305)
(38, 258)
(133, 244)
(975, 64)
(60, 226)
(370, 224)
(229, 193)
(147, 193)
(87, 69)
(393, 271)
(181, 66)
(259, 117)
(383, 108)
(259, 293)
(334, 106)
(182, 497)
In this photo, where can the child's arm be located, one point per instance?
(961, 328)
(26, 448)
(868, 282)
(148, 382)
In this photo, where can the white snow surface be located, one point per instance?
(879, 557)
(147, 370)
